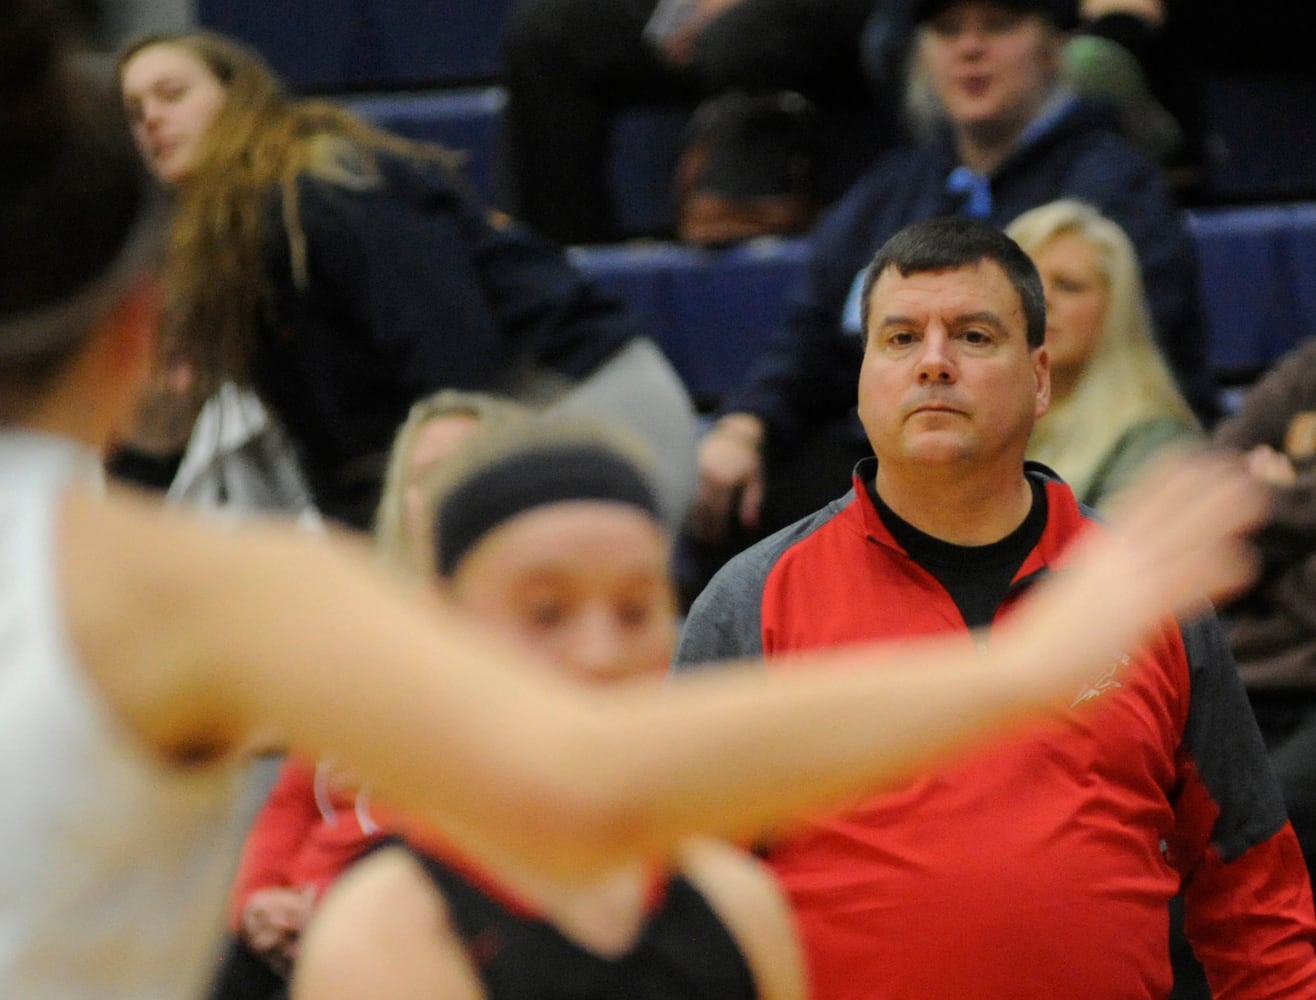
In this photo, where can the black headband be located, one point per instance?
(533, 478)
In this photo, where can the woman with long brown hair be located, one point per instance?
(347, 272)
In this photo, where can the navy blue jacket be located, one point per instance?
(411, 287)
(807, 376)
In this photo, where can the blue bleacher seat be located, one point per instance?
(1257, 269)
(338, 45)
(646, 143)
(710, 310)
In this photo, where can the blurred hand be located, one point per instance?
(679, 46)
(272, 923)
(730, 477)
(1177, 539)
(1300, 440)
(1270, 466)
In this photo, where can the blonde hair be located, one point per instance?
(261, 141)
(1126, 381)
(395, 536)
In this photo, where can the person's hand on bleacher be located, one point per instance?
(695, 15)
(730, 477)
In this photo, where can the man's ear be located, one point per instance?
(1042, 372)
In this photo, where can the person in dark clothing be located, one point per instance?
(571, 67)
(1013, 138)
(345, 273)
(1272, 628)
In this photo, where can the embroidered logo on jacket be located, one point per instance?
(1106, 682)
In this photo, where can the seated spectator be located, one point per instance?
(1013, 137)
(313, 825)
(993, 877)
(1114, 403)
(551, 534)
(437, 427)
(1272, 628)
(315, 822)
(1119, 51)
(344, 273)
(571, 66)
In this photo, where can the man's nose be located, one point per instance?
(935, 362)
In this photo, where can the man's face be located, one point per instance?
(990, 66)
(948, 377)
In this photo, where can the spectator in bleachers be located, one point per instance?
(1013, 137)
(435, 429)
(1044, 868)
(1272, 628)
(1120, 51)
(345, 273)
(314, 822)
(1114, 403)
(571, 66)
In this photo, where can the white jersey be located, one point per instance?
(114, 865)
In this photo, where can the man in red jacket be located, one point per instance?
(1043, 867)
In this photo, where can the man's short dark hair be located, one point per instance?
(951, 242)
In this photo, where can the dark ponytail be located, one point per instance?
(76, 206)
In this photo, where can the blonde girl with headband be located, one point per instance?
(551, 533)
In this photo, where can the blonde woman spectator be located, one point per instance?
(436, 427)
(1114, 403)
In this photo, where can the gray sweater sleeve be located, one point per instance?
(726, 619)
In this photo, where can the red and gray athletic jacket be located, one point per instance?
(1043, 866)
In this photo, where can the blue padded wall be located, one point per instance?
(464, 120)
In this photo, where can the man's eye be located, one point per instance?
(546, 614)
